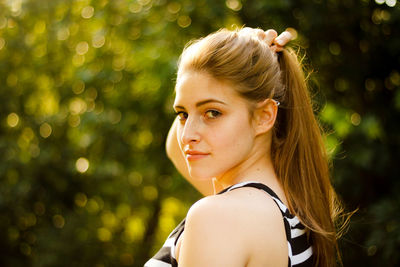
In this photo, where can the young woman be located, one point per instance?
(246, 137)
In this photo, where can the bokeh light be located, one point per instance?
(82, 165)
(58, 221)
(235, 5)
(184, 21)
(104, 234)
(45, 130)
(87, 12)
(12, 119)
(80, 200)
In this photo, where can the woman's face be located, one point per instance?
(215, 132)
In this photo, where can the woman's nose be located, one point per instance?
(190, 132)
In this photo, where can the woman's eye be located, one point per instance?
(181, 115)
(212, 114)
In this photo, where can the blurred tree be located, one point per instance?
(86, 95)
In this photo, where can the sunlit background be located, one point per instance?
(86, 89)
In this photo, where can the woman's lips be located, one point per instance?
(195, 155)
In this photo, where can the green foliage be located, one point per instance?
(86, 93)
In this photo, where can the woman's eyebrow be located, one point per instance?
(209, 101)
(198, 104)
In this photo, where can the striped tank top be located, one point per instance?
(299, 247)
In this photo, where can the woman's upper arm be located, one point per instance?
(209, 239)
(175, 154)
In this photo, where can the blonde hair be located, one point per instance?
(297, 149)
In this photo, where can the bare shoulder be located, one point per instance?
(231, 229)
(244, 205)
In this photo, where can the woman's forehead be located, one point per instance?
(199, 86)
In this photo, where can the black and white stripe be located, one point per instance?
(299, 248)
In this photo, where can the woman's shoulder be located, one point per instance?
(243, 201)
(246, 221)
(247, 207)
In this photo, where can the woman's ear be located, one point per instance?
(264, 115)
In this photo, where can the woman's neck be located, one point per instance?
(261, 171)
(257, 167)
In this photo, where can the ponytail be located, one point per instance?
(301, 162)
